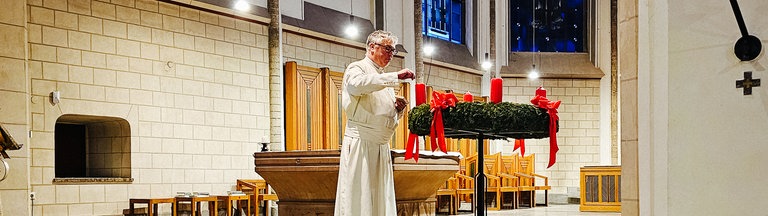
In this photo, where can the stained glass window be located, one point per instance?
(444, 19)
(560, 25)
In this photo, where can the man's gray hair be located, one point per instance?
(378, 36)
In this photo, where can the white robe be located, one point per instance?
(366, 185)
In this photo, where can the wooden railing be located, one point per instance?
(601, 188)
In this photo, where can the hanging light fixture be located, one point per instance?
(487, 63)
(533, 74)
(351, 30)
(242, 5)
(428, 50)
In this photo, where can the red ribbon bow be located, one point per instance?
(551, 106)
(520, 143)
(439, 102)
(410, 152)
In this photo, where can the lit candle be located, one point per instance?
(421, 94)
(468, 97)
(496, 90)
(541, 92)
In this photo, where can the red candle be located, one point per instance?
(468, 97)
(541, 92)
(421, 94)
(496, 90)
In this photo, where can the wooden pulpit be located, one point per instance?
(305, 181)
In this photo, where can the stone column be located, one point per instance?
(275, 74)
(418, 41)
(492, 43)
(614, 86)
(628, 60)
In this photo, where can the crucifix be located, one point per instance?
(747, 83)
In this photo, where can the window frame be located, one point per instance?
(542, 41)
(450, 32)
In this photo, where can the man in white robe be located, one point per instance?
(366, 185)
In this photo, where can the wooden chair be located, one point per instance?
(466, 182)
(546, 187)
(259, 191)
(491, 170)
(509, 182)
(527, 174)
(447, 190)
(525, 181)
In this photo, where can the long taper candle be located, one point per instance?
(421, 94)
(496, 90)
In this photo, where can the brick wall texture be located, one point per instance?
(193, 85)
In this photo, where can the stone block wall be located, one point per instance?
(14, 112)
(444, 78)
(193, 86)
(109, 152)
(319, 53)
(579, 135)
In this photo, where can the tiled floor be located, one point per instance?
(551, 210)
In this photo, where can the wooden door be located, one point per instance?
(303, 107)
(335, 117)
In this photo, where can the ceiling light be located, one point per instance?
(487, 65)
(429, 49)
(351, 31)
(241, 5)
(534, 74)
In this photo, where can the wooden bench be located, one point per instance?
(195, 204)
(242, 200)
(449, 190)
(151, 205)
(258, 189)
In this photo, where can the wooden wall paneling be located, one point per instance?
(427, 142)
(304, 122)
(402, 133)
(314, 79)
(335, 117)
(291, 106)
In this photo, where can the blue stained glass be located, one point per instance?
(443, 19)
(553, 19)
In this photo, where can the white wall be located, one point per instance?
(604, 63)
(711, 159)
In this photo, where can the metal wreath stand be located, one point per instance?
(5, 170)
(6, 143)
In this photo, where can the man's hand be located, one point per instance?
(405, 74)
(400, 103)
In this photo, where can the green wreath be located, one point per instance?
(504, 120)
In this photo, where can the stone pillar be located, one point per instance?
(492, 43)
(418, 41)
(614, 86)
(275, 74)
(14, 106)
(627, 48)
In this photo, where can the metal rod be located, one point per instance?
(739, 18)
(480, 179)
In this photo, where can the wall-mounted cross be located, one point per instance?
(747, 83)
